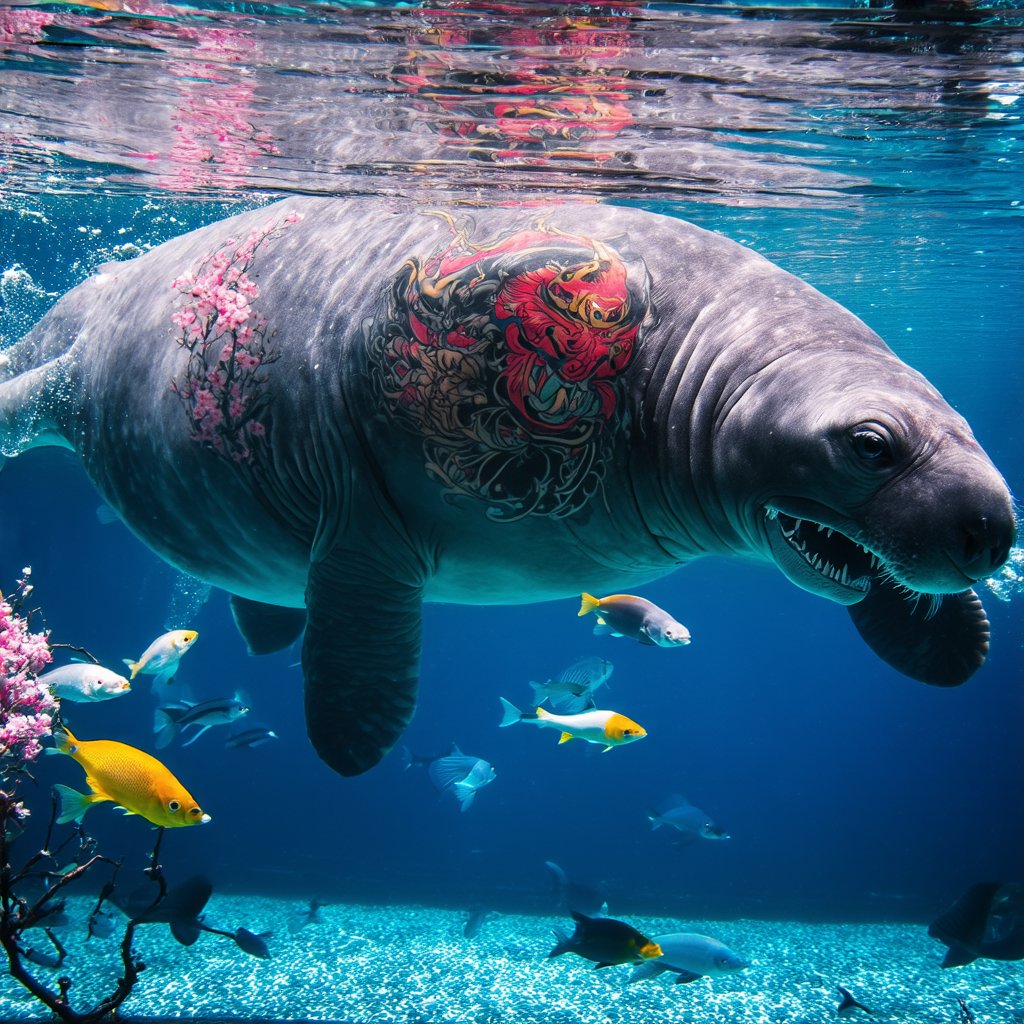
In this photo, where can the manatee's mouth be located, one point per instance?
(820, 558)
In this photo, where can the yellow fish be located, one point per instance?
(161, 657)
(133, 780)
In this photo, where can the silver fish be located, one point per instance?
(677, 812)
(689, 956)
(254, 736)
(635, 617)
(83, 682)
(171, 719)
(573, 689)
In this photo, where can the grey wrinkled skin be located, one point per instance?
(751, 402)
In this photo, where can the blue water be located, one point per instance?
(850, 792)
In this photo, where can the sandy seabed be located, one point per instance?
(412, 964)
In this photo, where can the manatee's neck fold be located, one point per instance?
(681, 390)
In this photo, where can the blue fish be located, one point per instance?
(677, 812)
(460, 775)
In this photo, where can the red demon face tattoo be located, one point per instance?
(508, 359)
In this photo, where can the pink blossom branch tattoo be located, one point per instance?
(222, 388)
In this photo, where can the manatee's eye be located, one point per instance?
(871, 446)
(174, 806)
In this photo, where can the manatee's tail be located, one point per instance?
(28, 404)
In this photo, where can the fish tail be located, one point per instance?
(588, 603)
(73, 804)
(510, 713)
(134, 666)
(165, 727)
(563, 945)
(655, 821)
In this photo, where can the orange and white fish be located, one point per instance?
(130, 778)
(606, 728)
(161, 657)
(635, 617)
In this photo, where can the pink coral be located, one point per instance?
(26, 707)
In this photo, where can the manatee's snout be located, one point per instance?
(985, 526)
(987, 540)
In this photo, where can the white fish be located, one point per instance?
(606, 728)
(82, 682)
(161, 657)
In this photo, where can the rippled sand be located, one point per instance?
(412, 964)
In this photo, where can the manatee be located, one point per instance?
(338, 409)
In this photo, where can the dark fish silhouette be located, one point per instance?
(311, 915)
(180, 908)
(848, 1004)
(605, 941)
(987, 922)
(478, 917)
(576, 897)
(251, 943)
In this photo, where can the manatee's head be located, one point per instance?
(863, 486)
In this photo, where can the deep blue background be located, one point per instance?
(849, 790)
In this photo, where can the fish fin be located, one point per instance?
(65, 740)
(360, 657)
(266, 628)
(134, 666)
(465, 794)
(510, 713)
(445, 772)
(73, 804)
(541, 714)
(685, 977)
(603, 629)
(942, 646)
(958, 956)
(186, 932)
(166, 676)
(607, 748)
(648, 969)
(644, 637)
(588, 603)
(564, 738)
(123, 810)
(192, 740)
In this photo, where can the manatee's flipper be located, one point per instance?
(266, 628)
(962, 927)
(943, 646)
(360, 660)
